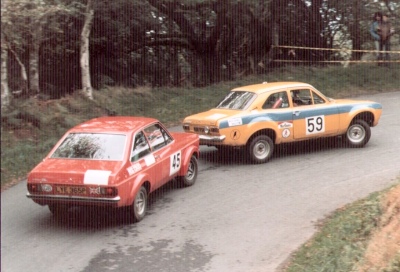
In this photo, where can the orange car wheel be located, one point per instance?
(261, 149)
(358, 133)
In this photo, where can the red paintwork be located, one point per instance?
(71, 172)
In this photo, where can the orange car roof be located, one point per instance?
(272, 86)
(113, 124)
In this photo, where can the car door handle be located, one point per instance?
(297, 113)
(156, 157)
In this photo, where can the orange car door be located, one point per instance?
(313, 117)
(277, 106)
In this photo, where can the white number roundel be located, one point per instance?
(174, 163)
(315, 124)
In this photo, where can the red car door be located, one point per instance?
(168, 160)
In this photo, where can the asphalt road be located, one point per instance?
(237, 217)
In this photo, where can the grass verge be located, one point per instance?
(360, 237)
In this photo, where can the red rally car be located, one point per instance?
(113, 161)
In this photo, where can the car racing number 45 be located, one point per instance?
(175, 163)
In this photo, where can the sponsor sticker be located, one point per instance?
(284, 125)
(235, 122)
(94, 191)
(134, 168)
(99, 177)
(149, 160)
(286, 133)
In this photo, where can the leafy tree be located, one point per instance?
(168, 42)
(351, 21)
(300, 24)
(27, 24)
(118, 51)
(215, 33)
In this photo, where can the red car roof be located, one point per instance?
(114, 124)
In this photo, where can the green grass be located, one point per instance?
(170, 105)
(342, 239)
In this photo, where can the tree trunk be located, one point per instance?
(208, 69)
(24, 76)
(355, 30)
(175, 69)
(5, 92)
(34, 67)
(275, 42)
(34, 49)
(193, 60)
(84, 51)
(201, 45)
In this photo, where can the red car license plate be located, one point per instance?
(71, 190)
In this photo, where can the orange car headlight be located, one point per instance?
(214, 130)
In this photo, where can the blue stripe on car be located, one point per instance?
(303, 113)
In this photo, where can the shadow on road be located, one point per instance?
(239, 156)
(98, 218)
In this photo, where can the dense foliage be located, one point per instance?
(174, 42)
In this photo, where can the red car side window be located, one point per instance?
(140, 148)
(157, 136)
